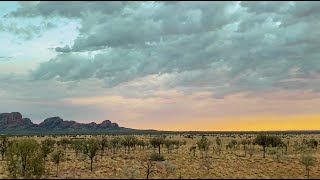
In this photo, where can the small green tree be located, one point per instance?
(4, 143)
(308, 161)
(129, 142)
(218, 147)
(115, 143)
(64, 142)
(47, 147)
(103, 143)
(203, 145)
(91, 149)
(141, 144)
(77, 146)
(169, 145)
(57, 157)
(25, 159)
(265, 141)
(251, 150)
(157, 142)
(311, 143)
(244, 142)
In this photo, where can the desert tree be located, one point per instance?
(234, 143)
(115, 143)
(25, 159)
(244, 142)
(203, 145)
(265, 141)
(57, 157)
(218, 141)
(177, 144)
(156, 142)
(311, 143)
(4, 144)
(141, 144)
(231, 145)
(103, 144)
(149, 167)
(308, 161)
(47, 147)
(77, 145)
(91, 148)
(218, 146)
(287, 145)
(274, 141)
(169, 145)
(250, 151)
(129, 142)
(262, 140)
(63, 143)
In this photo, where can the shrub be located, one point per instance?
(170, 168)
(131, 172)
(156, 157)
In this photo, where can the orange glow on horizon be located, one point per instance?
(251, 123)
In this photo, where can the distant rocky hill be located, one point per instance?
(15, 122)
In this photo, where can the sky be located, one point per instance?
(163, 65)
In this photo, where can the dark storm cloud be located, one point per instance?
(229, 46)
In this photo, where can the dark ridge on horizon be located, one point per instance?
(13, 123)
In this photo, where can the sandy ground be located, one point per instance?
(230, 164)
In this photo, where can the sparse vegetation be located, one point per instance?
(123, 153)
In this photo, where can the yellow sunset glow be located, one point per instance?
(253, 123)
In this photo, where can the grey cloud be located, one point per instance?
(65, 9)
(65, 49)
(228, 46)
(26, 32)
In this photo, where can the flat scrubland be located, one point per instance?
(240, 161)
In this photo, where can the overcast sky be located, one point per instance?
(163, 65)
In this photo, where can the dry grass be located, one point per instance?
(229, 164)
